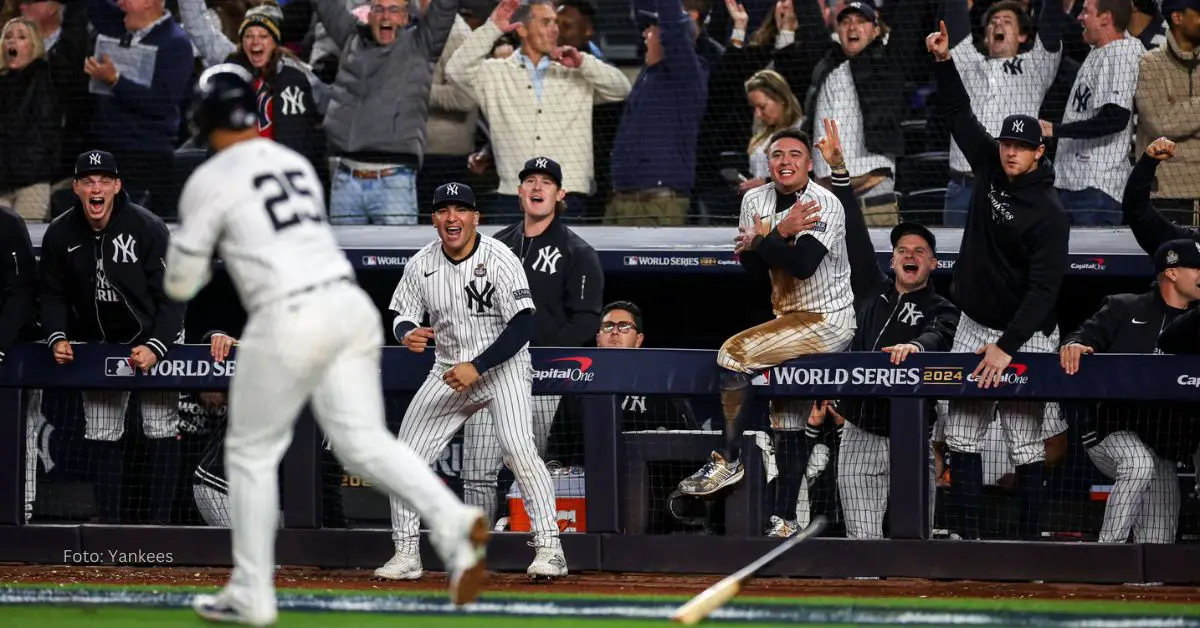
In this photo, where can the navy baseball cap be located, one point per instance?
(544, 165)
(866, 9)
(1182, 253)
(95, 162)
(454, 194)
(912, 228)
(1022, 128)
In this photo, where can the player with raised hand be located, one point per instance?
(1006, 281)
(900, 314)
(1150, 228)
(312, 336)
(480, 310)
(810, 295)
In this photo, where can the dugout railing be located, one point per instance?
(597, 376)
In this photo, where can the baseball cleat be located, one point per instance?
(548, 564)
(217, 608)
(469, 571)
(402, 566)
(715, 475)
(781, 528)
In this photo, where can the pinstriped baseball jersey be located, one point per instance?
(469, 302)
(1002, 87)
(261, 205)
(828, 290)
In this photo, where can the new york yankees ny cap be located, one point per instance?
(453, 194)
(95, 162)
(1183, 253)
(1021, 128)
(913, 228)
(864, 8)
(544, 165)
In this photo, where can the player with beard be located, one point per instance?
(567, 285)
(1006, 282)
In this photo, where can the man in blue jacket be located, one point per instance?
(138, 122)
(654, 154)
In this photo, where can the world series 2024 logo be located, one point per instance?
(120, 367)
(956, 375)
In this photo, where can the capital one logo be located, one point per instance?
(1014, 374)
(1188, 380)
(1091, 263)
(579, 371)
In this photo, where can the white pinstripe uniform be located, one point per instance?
(469, 304)
(312, 335)
(1145, 493)
(814, 315)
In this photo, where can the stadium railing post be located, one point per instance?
(601, 457)
(908, 497)
(12, 457)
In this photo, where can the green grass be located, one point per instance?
(1027, 605)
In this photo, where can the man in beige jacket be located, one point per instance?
(538, 101)
(1168, 104)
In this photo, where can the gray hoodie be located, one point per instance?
(380, 99)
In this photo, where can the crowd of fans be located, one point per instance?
(389, 98)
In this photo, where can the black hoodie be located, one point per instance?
(1013, 253)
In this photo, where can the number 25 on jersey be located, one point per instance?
(289, 199)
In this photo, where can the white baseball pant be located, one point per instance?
(436, 414)
(104, 414)
(778, 340)
(323, 347)
(864, 480)
(1145, 492)
(213, 506)
(483, 458)
(967, 420)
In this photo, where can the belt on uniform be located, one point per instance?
(369, 174)
(318, 286)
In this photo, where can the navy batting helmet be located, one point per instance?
(226, 99)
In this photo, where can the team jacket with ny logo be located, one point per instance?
(107, 286)
(566, 281)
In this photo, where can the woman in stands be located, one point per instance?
(775, 109)
(290, 98)
(30, 121)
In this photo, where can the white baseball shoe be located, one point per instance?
(404, 565)
(716, 474)
(781, 528)
(548, 564)
(220, 608)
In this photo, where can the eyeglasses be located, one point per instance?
(624, 327)
(394, 9)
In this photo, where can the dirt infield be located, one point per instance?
(611, 583)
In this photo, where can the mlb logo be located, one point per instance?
(369, 260)
(762, 379)
(818, 228)
(630, 260)
(118, 367)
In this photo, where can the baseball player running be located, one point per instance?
(1137, 443)
(901, 314)
(810, 295)
(1013, 257)
(567, 286)
(481, 316)
(312, 335)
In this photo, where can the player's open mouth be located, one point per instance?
(786, 172)
(852, 37)
(453, 232)
(537, 198)
(95, 203)
(910, 267)
(998, 36)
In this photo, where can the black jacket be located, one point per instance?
(30, 127)
(18, 284)
(131, 251)
(879, 73)
(1014, 248)
(1150, 228)
(1183, 335)
(1131, 323)
(566, 281)
(884, 316)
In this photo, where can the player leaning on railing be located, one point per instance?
(101, 280)
(899, 314)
